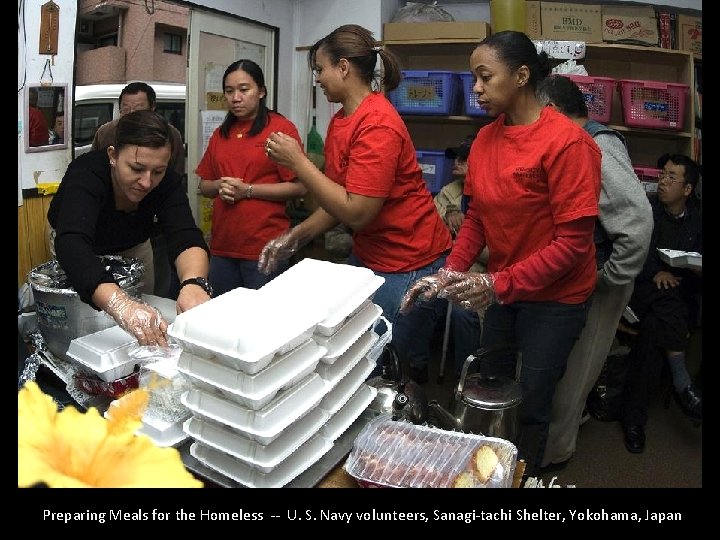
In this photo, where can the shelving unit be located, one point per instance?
(437, 55)
(646, 63)
(602, 59)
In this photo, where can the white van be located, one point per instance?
(96, 104)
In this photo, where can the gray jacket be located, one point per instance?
(625, 212)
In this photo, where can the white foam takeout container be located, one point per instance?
(333, 373)
(263, 425)
(105, 353)
(348, 413)
(161, 431)
(349, 332)
(348, 385)
(340, 288)
(246, 329)
(229, 466)
(262, 457)
(681, 259)
(252, 391)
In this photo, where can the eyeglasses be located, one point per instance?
(667, 178)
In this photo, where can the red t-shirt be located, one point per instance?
(524, 181)
(370, 153)
(241, 230)
(37, 127)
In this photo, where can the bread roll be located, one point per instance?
(465, 479)
(484, 462)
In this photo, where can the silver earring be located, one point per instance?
(112, 163)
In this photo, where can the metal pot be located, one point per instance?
(61, 315)
(482, 404)
(397, 394)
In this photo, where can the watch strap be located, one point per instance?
(200, 282)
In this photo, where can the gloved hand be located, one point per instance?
(428, 287)
(473, 291)
(137, 318)
(279, 249)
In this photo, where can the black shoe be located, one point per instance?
(634, 438)
(419, 374)
(690, 401)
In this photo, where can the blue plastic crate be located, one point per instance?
(436, 168)
(426, 92)
(472, 108)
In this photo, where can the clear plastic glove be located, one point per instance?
(137, 318)
(279, 249)
(473, 290)
(428, 287)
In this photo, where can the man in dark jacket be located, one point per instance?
(663, 299)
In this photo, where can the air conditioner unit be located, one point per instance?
(86, 28)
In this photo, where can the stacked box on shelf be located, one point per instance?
(470, 99)
(426, 93)
(648, 178)
(598, 93)
(653, 104)
(436, 168)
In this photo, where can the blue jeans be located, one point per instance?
(227, 274)
(412, 332)
(465, 327)
(544, 333)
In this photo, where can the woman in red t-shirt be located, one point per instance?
(534, 181)
(372, 183)
(250, 190)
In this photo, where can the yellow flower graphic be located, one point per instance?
(74, 449)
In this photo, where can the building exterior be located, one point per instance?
(123, 40)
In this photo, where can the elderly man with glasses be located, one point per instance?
(663, 299)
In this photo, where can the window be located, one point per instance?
(107, 41)
(174, 112)
(173, 43)
(87, 118)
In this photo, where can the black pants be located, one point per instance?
(663, 326)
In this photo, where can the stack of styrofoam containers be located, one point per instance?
(269, 394)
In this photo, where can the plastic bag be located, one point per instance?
(414, 12)
(570, 67)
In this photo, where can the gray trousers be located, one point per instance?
(583, 368)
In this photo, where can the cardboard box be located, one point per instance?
(450, 31)
(533, 26)
(571, 22)
(690, 34)
(630, 24)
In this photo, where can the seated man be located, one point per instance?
(661, 299)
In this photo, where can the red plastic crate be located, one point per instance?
(648, 178)
(598, 92)
(653, 104)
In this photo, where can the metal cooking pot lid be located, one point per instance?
(491, 392)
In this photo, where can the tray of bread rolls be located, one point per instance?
(389, 453)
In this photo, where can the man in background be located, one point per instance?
(622, 239)
(665, 300)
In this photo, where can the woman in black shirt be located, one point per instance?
(106, 204)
